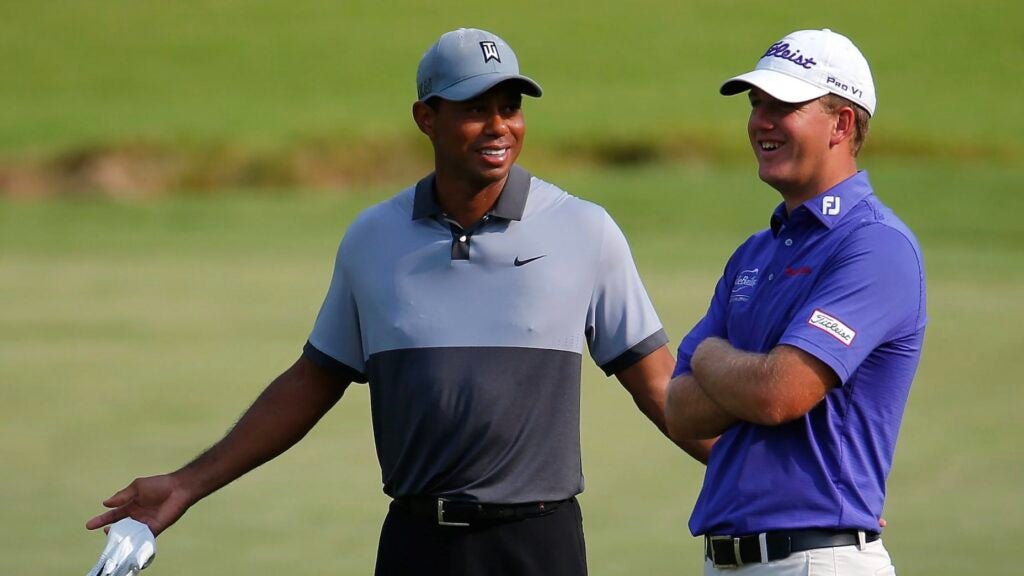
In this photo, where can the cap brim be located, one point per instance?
(472, 87)
(777, 84)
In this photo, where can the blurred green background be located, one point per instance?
(137, 322)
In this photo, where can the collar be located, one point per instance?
(830, 206)
(510, 205)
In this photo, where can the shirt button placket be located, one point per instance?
(787, 242)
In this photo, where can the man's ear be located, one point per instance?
(845, 126)
(424, 117)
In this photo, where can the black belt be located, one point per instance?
(451, 513)
(732, 551)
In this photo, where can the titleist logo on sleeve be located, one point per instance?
(781, 50)
(832, 326)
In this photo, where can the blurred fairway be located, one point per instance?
(132, 334)
(93, 72)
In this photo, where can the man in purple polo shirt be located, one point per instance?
(803, 363)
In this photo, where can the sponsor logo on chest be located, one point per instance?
(798, 270)
(744, 285)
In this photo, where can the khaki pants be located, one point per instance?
(872, 560)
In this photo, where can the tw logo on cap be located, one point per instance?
(490, 50)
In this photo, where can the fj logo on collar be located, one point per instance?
(490, 51)
(519, 262)
(830, 205)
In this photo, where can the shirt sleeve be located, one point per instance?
(712, 324)
(871, 292)
(622, 326)
(336, 341)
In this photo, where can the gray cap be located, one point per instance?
(466, 62)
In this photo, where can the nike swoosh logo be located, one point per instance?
(519, 262)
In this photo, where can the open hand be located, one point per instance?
(157, 501)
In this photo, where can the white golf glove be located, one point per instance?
(130, 548)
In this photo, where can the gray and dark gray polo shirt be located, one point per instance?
(472, 340)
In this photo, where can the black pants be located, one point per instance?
(551, 544)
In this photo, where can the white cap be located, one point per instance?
(808, 64)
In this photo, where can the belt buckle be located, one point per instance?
(440, 515)
(735, 551)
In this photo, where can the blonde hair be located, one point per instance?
(832, 103)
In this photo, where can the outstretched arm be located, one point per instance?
(647, 381)
(281, 416)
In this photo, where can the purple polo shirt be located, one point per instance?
(842, 279)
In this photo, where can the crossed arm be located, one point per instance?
(727, 385)
(281, 416)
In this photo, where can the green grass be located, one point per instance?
(133, 334)
(87, 72)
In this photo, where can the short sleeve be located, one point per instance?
(712, 324)
(871, 292)
(336, 341)
(622, 326)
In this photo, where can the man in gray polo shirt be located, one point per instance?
(465, 301)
